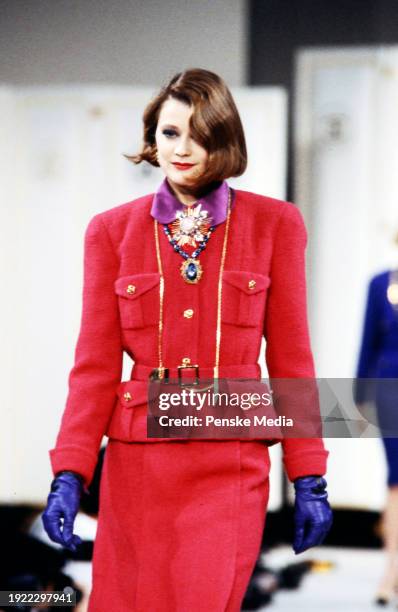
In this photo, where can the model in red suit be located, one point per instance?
(181, 521)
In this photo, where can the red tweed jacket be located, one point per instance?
(267, 240)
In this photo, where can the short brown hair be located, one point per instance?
(215, 123)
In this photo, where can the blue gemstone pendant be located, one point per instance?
(191, 270)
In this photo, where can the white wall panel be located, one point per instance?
(347, 186)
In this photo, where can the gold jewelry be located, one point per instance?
(185, 270)
(190, 226)
(161, 369)
(191, 270)
(392, 289)
(219, 291)
(162, 372)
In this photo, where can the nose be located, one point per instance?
(182, 146)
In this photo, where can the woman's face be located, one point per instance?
(176, 146)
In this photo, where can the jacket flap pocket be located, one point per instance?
(133, 393)
(249, 282)
(134, 285)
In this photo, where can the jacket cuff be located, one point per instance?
(74, 459)
(305, 463)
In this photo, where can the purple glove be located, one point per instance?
(62, 506)
(312, 514)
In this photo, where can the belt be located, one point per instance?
(181, 373)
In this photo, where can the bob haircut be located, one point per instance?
(215, 123)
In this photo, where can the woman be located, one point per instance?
(378, 361)
(181, 521)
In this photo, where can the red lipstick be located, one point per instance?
(182, 166)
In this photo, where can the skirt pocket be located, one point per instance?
(132, 397)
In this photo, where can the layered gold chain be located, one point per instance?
(161, 368)
(161, 296)
(219, 290)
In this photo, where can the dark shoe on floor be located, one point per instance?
(255, 598)
(291, 576)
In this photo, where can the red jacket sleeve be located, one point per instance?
(288, 350)
(97, 366)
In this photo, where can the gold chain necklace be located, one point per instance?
(161, 371)
(392, 289)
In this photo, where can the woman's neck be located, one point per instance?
(185, 196)
(188, 196)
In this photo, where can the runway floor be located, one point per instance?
(349, 586)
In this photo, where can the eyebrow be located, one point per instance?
(170, 125)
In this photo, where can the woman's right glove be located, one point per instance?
(62, 506)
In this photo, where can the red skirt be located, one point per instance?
(180, 525)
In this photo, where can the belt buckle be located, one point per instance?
(186, 365)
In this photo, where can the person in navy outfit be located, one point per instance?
(378, 361)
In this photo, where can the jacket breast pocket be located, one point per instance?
(244, 298)
(138, 296)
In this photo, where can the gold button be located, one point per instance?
(130, 288)
(186, 361)
(251, 284)
(188, 314)
(127, 396)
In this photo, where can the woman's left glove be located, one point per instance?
(312, 513)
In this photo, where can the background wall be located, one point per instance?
(129, 42)
(279, 28)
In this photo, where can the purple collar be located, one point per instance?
(165, 204)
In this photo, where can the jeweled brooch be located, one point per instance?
(190, 226)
